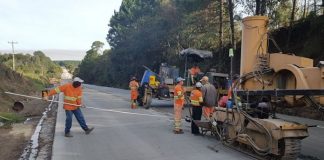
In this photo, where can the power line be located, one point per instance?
(13, 53)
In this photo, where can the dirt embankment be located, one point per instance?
(13, 82)
(15, 137)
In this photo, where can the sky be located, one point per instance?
(55, 24)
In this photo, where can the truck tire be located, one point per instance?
(148, 102)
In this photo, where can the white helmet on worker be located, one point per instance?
(77, 79)
(198, 85)
(204, 79)
(179, 79)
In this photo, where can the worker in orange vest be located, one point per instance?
(179, 93)
(196, 101)
(133, 85)
(72, 96)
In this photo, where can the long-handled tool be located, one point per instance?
(21, 95)
(18, 106)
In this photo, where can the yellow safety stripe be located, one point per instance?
(179, 97)
(79, 97)
(57, 90)
(201, 99)
(70, 98)
(195, 103)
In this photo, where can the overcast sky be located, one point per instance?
(55, 24)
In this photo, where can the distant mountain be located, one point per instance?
(55, 54)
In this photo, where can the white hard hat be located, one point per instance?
(77, 79)
(198, 85)
(204, 79)
(179, 79)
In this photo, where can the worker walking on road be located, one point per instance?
(209, 96)
(72, 95)
(196, 101)
(133, 85)
(178, 105)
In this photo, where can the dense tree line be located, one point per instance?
(148, 32)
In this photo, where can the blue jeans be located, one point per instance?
(78, 115)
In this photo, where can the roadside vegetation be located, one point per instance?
(31, 75)
(146, 32)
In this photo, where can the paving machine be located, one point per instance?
(249, 123)
(161, 85)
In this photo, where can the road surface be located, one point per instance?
(120, 136)
(141, 134)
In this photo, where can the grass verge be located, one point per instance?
(11, 117)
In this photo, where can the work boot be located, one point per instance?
(87, 131)
(69, 135)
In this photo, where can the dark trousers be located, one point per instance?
(78, 115)
(196, 115)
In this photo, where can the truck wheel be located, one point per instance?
(148, 102)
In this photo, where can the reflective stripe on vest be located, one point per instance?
(79, 97)
(70, 98)
(57, 90)
(195, 103)
(179, 95)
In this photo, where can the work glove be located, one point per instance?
(45, 98)
(45, 95)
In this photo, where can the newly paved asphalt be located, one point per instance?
(124, 134)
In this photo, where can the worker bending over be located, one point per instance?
(179, 92)
(133, 85)
(72, 95)
(196, 101)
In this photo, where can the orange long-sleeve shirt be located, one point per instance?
(71, 95)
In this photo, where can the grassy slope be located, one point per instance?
(14, 82)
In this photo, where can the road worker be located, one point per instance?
(209, 96)
(179, 93)
(194, 71)
(196, 101)
(73, 96)
(133, 85)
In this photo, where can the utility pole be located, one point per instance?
(13, 53)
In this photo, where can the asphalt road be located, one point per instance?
(124, 134)
(145, 135)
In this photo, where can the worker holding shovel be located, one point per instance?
(72, 103)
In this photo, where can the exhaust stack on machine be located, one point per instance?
(254, 42)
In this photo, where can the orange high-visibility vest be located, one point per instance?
(71, 95)
(133, 85)
(196, 97)
(178, 95)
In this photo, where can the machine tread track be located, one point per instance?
(290, 151)
(292, 148)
